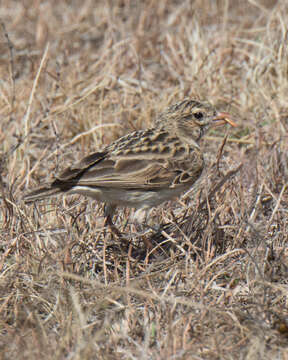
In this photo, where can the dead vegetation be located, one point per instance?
(76, 75)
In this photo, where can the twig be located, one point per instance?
(12, 73)
(27, 114)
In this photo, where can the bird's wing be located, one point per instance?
(137, 162)
(143, 174)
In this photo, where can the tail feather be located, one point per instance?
(41, 193)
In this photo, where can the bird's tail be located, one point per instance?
(41, 193)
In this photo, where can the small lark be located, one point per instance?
(146, 167)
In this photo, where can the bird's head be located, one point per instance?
(190, 119)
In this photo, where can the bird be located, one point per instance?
(144, 168)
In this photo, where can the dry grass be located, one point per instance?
(217, 286)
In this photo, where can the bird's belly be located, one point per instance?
(138, 199)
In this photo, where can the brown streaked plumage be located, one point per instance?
(146, 167)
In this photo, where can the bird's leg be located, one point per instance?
(140, 218)
(113, 228)
(108, 213)
(109, 210)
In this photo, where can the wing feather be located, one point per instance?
(141, 164)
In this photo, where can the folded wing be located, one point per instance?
(138, 165)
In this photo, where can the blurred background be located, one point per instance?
(76, 75)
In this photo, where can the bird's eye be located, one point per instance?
(198, 115)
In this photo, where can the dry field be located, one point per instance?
(74, 76)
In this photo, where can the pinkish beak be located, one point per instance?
(223, 118)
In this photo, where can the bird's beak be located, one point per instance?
(223, 118)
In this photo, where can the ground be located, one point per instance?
(76, 75)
